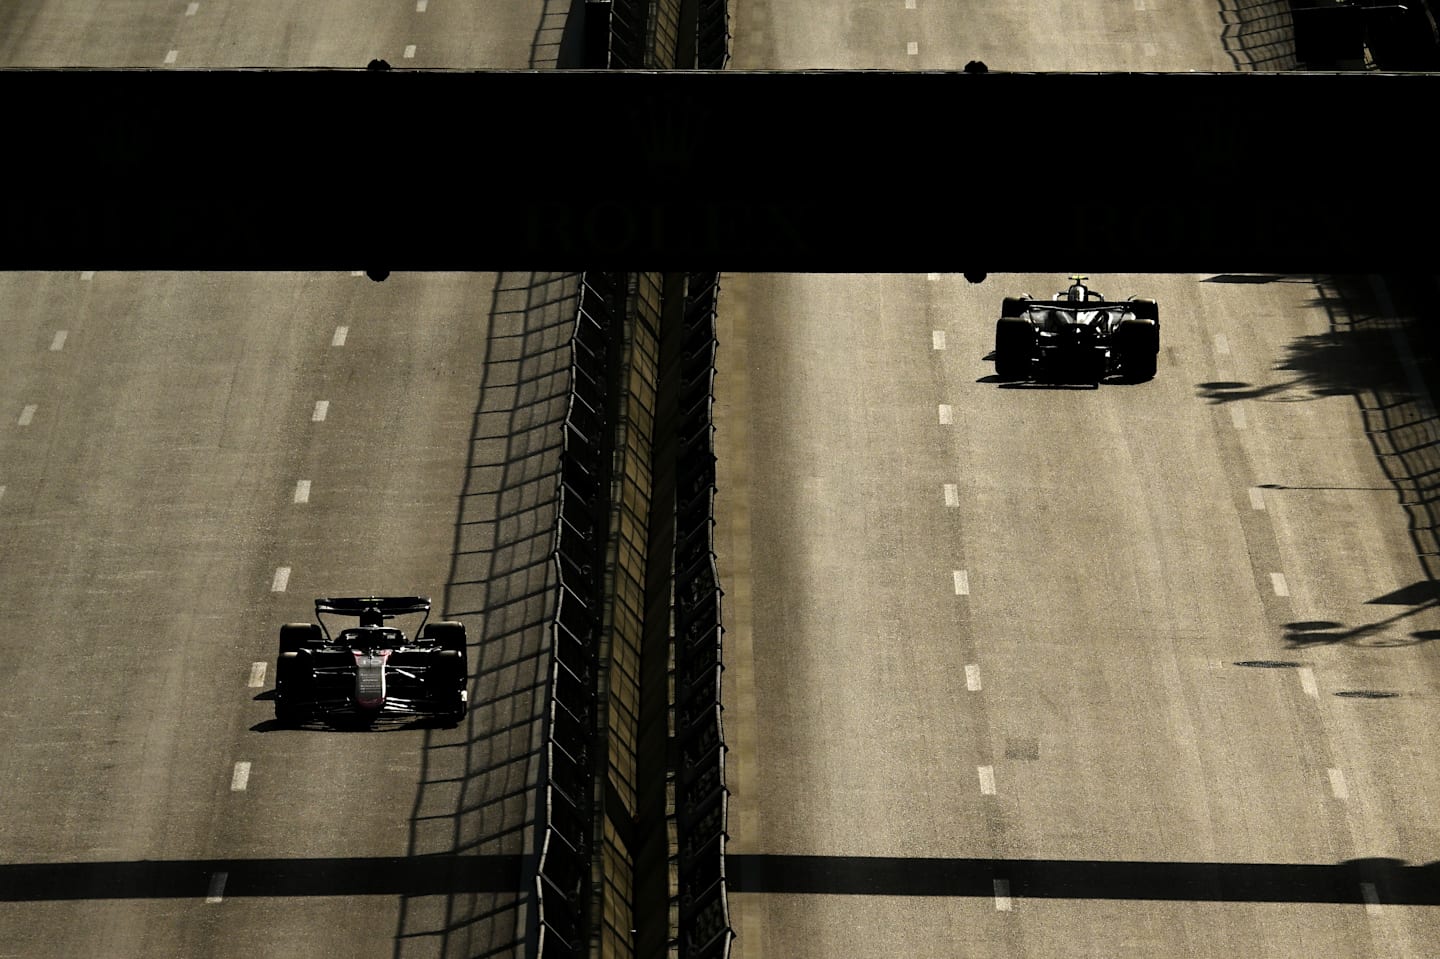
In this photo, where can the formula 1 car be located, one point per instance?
(371, 670)
(1077, 337)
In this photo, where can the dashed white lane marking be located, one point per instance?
(410, 52)
(241, 778)
(302, 491)
(1307, 682)
(193, 9)
(321, 408)
(217, 887)
(972, 677)
(420, 5)
(1372, 898)
(912, 48)
(947, 414)
(952, 495)
(1002, 895)
(28, 414)
(58, 344)
(257, 675)
(962, 583)
(170, 57)
(987, 780)
(1237, 415)
(357, 272)
(1222, 345)
(87, 275)
(932, 277)
(1257, 498)
(1337, 784)
(339, 338)
(281, 580)
(1277, 582)
(937, 339)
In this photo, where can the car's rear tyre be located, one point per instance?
(450, 676)
(1138, 344)
(292, 679)
(1013, 306)
(450, 635)
(1014, 347)
(297, 636)
(1146, 309)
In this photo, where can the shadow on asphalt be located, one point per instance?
(193, 878)
(1383, 349)
(1388, 880)
(477, 797)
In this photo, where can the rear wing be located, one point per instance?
(388, 605)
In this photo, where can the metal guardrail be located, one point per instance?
(562, 876)
(701, 799)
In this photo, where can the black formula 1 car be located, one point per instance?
(371, 670)
(1078, 337)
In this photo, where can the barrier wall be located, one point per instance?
(701, 799)
(563, 869)
(610, 880)
(657, 34)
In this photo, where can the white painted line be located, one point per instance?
(937, 339)
(321, 408)
(1222, 345)
(339, 338)
(357, 272)
(241, 777)
(962, 583)
(987, 780)
(952, 495)
(58, 344)
(1337, 784)
(1307, 681)
(972, 677)
(302, 491)
(28, 414)
(281, 580)
(87, 275)
(217, 887)
(170, 57)
(1257, 498)
(932, 277)
(1237, 415)
(420, 5)
(1372, 898)
(410, 52)
(257, 676)
(1002, 895)
(1277, 582)
(947, 414)
(193, 9)
(909, 4)
(912, 48)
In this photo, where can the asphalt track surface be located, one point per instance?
(186, 462)
(171, 496)
(1144, 670)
